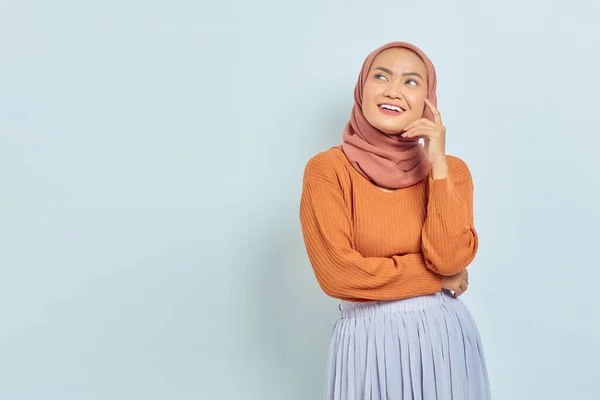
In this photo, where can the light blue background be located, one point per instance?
(151, 156)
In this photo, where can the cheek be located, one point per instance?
(417, 101)
(368, 95)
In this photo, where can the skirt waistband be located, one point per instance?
(351, 309)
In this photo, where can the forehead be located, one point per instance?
(400, 60)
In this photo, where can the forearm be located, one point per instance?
(374, 278)
(449, 239)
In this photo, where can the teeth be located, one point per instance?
(390, 107)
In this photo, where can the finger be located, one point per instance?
(430, 126)
(458, 292)
(416, 123)
(437, 117)
(420, 133)
(417, 132)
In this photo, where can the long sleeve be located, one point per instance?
(342, 272)
(449, 239)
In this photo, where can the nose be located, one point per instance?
(393, 91)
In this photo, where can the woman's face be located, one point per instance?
(395, 91)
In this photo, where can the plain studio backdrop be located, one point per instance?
(151, 159)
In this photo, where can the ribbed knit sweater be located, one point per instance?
(365, 244)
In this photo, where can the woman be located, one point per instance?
(388, 228)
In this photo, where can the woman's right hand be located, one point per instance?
(458, 283)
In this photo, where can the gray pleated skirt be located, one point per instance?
(422, 348)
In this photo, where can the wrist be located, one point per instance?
(439, 169)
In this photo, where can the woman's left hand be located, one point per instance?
(433, 133)
(458, 283)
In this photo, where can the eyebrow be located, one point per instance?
(388, 71)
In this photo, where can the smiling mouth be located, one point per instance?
(390, 109)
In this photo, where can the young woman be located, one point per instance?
(388, 228)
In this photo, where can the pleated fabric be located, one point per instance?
(421, 348)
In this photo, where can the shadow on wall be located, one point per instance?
(288, 318)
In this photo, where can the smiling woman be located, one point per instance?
(396, 86)
(388, 228)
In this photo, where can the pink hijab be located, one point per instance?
(390, 161)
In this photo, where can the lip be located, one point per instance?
(390, 112)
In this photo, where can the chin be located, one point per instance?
(389, 130)
(389, 125)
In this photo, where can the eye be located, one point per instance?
(412, 82)
(380, 77)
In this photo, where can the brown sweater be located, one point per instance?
(365, 244)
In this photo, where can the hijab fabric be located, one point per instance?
(389, 161)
